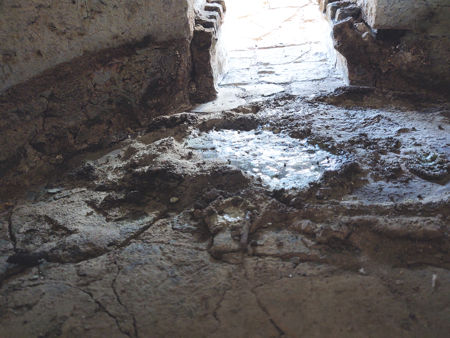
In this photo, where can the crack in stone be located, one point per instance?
(12, 236)
(264, 309)
(116, 294)
(177, 246)
(302, 258)
(138, 233)
(55, 259)
(102, 308)
(18, 269)
(217, 307)
(56, 226)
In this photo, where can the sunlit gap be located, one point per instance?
(278, 46)
(267, 23)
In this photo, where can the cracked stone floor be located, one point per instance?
(283, 208)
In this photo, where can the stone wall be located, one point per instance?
(401, 14)
(79, 75)
(208, 54)
(90, 102)
(393, 44)
(38, 34)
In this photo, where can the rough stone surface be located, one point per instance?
(398, 14)
(37, 35)
(324, 3)
(208, 55)
(121, 64)
(102, 250)
(382, 50)
(88, 103)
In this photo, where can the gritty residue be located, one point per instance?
(277, 160)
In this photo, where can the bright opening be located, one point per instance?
(278, 46)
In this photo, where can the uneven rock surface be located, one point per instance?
(39, 34)
(82, 75)
(208, 54)
(88, 103)
(160, 236)
(392, 44)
